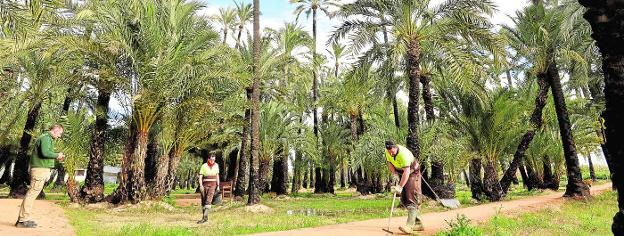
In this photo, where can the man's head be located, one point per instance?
(212, 156)
(392, 147)
(56, 131)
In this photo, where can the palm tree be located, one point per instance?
(254, 196)
(605, 18)
(420, 34)
(227, 19)
(311, 7)
(244, 14)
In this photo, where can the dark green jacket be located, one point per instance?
(43, 155)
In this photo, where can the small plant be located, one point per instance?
(461, 227)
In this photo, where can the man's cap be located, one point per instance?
(390, 144)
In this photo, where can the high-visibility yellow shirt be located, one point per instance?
(206, 170)
(403, 158)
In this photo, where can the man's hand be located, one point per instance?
(397, 189)
(201, 189)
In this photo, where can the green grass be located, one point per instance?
(305, 210)
(591, 217)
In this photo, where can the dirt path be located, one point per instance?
(48, 215)
(436, 221)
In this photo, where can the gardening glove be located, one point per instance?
(397, 189)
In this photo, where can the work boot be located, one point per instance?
(413, 221)
(205, 211)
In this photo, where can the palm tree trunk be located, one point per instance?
(238, 37)
(343, 182)
(175, 154)
(476, 184)
(437, 166)
(225, 31)
(232, 169)
(60, 177)
(536, 124)
(575, 186)
(239, 189)
(93, 190)
(318, 183)
(315, 85)
(305, 175)
(534, 181)
(413, 67)
(550, 180)
(592, 172)
(254, 196)
(138, 190)
(21, 175)
(491, 186)
(296, 183)
(120, 195)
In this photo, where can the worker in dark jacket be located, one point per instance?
(41, 162)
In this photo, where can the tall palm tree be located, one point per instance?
(551, 37)
(244, 14)
(420, 34)
(606, 20)
(254, 196)
(311, 7)
(227, 18)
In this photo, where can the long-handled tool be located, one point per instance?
(450, 203)
(389, 218)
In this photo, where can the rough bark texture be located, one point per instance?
(536, 124)
(296, 183)
(120, 195)
(138, 190)
(437, 167)
(306, 173)
(315, 86)
(551, 181)
(534, 181)
(232, 165)
(476, 184)
(21, 175)
(93, 190)
(241, 177)
(592, 172)
(279, 182)
(175, 154)
(254, 196)
(413, 72)
(158, 186)
(491, 186)
(607, 21)
(575, 186)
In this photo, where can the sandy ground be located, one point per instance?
(50, 219)
(436, 221)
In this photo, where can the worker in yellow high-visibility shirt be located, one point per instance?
(402, 163)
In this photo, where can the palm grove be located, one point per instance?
(285, 115)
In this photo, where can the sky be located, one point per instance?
(274, 13)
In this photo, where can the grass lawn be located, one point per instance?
(591, 217)
(303, 210)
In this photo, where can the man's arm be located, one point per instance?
(391, 168)
(47, 148)
(404, 177)
(218, 179)
(201, 186)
